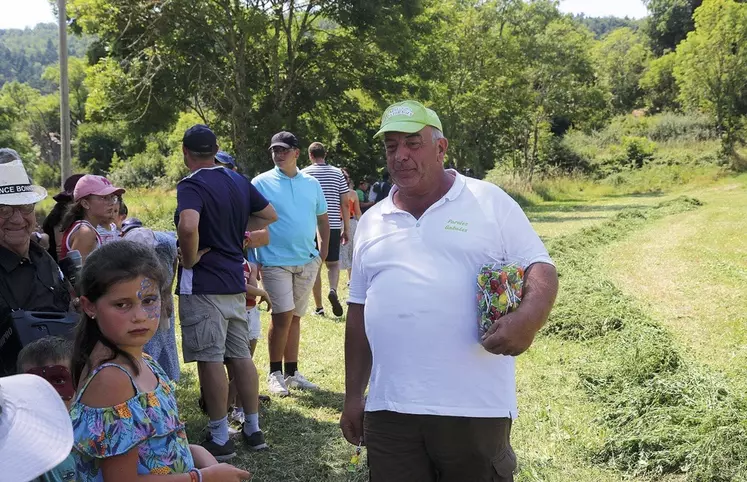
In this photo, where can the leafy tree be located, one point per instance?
(669, 22)
(711, 69)
(622, 57)
(501, 74)
(659, 86)
(35, 115)
(247, 68)
(77, 84)
(96, 145)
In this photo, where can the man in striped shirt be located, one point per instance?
(335, 191)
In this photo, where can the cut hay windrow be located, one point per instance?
(666, 413)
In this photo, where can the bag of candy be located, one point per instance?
(499, 291)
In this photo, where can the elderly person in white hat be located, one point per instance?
(29, 278)
(36, 434)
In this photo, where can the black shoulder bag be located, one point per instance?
(21, 327)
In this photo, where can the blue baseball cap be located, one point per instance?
(225, 158)
(131, 223)
(199, 138)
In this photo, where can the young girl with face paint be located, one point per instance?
(125, 418)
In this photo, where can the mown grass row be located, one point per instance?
(665, 413)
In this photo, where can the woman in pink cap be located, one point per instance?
(94, 200)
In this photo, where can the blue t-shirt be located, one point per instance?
(298, 201)
(224, 199)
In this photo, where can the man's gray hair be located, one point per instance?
(8, 155)
(436, 134)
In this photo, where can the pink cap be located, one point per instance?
(96, 185)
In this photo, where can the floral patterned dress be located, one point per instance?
(149, 421)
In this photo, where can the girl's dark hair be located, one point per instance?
(123, 211)
(106, 266)
(74, 212)
(51, 225)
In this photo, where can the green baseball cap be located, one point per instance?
(408, 116)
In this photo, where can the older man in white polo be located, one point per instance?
(441, 399)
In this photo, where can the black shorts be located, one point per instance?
(334, 245)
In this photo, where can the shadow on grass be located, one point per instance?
(320, 399)
(302, 430)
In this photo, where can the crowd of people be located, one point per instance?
(107, 410)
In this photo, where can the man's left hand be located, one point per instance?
(344, 238)
(511, 335)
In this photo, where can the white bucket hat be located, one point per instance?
(36, 433)
(15, 187)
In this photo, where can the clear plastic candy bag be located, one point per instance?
(499, 291)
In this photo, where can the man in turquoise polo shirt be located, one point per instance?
(291, 261)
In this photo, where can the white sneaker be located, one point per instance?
(300, 382)
(236, 417)
(276, 384)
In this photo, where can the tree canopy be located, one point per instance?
(509, 78)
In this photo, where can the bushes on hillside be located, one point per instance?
(145, 169)
(630, 142)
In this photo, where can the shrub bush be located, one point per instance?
(638, 150)
(145, 169)
(681, 128)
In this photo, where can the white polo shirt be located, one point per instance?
(418, 281)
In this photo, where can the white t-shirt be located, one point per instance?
(418, 281)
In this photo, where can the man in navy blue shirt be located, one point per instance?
(215, 206)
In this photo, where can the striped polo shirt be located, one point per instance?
(333, 186)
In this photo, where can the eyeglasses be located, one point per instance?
(280, 150)
(7, 211)
(110, 199)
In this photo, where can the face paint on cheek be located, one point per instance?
(153, 309)
(145, 285)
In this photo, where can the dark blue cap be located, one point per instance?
(131, 223)
(225, 158)
(199, 138)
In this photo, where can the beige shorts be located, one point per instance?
(214, 327)
(289, 287)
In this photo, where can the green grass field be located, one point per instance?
(652, 301)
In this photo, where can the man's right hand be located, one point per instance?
(351, 421)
